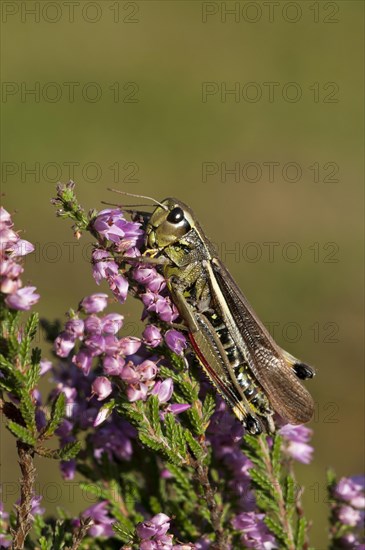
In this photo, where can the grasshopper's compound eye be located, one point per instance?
(176, 215)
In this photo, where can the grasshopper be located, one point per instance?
(251, 372)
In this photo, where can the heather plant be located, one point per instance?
(167, 463)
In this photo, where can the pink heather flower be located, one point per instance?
(45, 366)
(94, 303)
(95, 344)
(150, 278)
(112, 323)
(75, 327)
(349, 516)
(129, 345)
(155, 527)
(68, 469)
(351, 490)
(136, 392)
(144, 274)
(83, 360)
(101, 387)
(296, 446)
(103, 265)
(102, 526)
(119, 287)
(155, 303)
(129, 374)
(147, 370)
(7, 238)
(21, 248)
(176, 341)
(23, 298)
(93, 324)
(163, 390)
(113, 366)
(111, 345)
(63, 344)
(177, 408)
(351, 542)
(102, 415)
(5, 217)
(255, 533)
(112, 225)
(152, 336)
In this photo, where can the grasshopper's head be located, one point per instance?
(168, 223)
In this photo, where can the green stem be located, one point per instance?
(278, 492)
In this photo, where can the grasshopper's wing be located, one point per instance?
(265, 358)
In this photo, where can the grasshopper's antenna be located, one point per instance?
(118, 205)
(138, 197)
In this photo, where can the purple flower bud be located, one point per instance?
(112, 323)
(350, 490)
(103, 265)
(36, 508)
(296, 442)
(68, 469)
(152, 336)
(83, 360)
(93, 325)
(349, 516)
(147, 370)
(176, 341)
(113, 365)
(64, 430)
(163, 390)
(129, 345)
(102, 415)
(23, 299)
(101, 387)
(75, 327)
(255, 532)
(94, 303)
(63, 344)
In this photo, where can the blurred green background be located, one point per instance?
(132, 95)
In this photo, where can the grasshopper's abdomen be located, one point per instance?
(252, 391)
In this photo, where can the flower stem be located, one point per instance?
(24, 520)
(278, 492)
